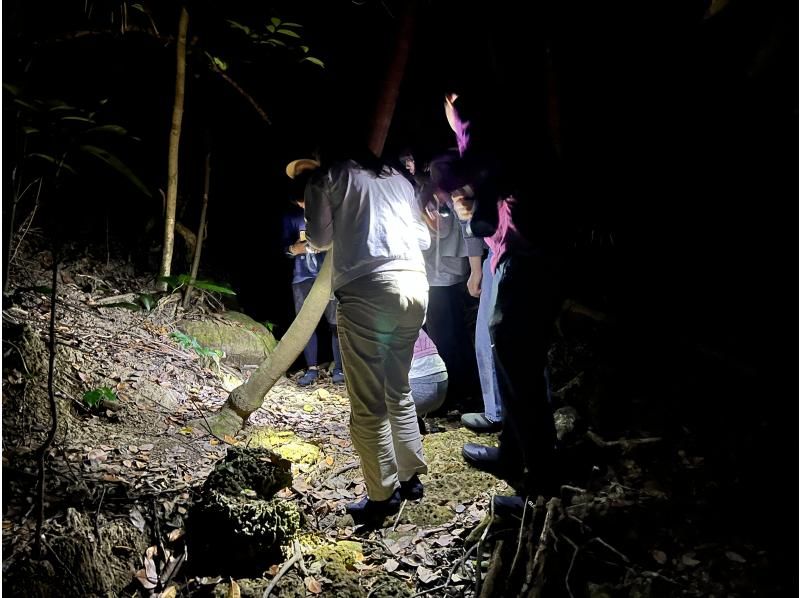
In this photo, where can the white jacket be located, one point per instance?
(374, 222)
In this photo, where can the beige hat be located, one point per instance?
(295, 167)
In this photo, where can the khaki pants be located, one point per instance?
(379, 318)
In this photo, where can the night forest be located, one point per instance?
(156, 438)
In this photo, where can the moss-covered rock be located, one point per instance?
(244, 341)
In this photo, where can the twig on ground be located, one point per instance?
(399, 514)
(51, 394)
(485, 533)
(625, 443)
(519, 539)
(286, 566)
(97, 515)
(299, 550)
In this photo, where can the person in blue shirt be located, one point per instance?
(307, 264)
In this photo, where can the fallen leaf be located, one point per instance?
(390, 565)
(273, 571)
(209, 581)
(312, 585)
(230, 439)
(137, 519)
(175, 534)
(133, 448)
(234, 591)
(213, 442)
(141, 575)
(186, 431)
(329, 460)
(146, 447)
(150, 552)
(660, 556)
(406, 527)
(735, 557)
(426, 575)
(127, 463)
(444, 540)
(322, 393)
(687, 560)
(97, 456)
(308, 408)
(170, 592)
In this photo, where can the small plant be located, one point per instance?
(181, 280)
(206, 353)
(95, 397)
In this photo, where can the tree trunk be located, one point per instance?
(174, 142)
(248, 397)
(200, 236)
(391, 85)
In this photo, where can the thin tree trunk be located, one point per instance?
(249, 396)
(174, 142)
(387, 101)
(199, 245)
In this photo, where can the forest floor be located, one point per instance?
(122, 476)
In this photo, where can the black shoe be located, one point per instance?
(485, 458)
(510, 506)
(423, 429)
(374, 511)
(412, 489)
(488, 459)
(478, 422)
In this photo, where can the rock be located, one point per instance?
(150, 394)
(243, 340)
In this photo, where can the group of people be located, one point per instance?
(406, 244)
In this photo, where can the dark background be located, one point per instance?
(677, 137)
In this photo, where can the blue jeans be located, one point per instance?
(492, 404)
(300, 291)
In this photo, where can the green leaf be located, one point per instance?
(116, 129)
(274, 42)
(316, 61)
(236, 25)
(25, 104)
(275, 21)
(209, 285)
(304, 49)
(82, 119)
(292, 25)
(289, 32)
(29, 130)
(12, 89)
(219, 63)
(117, 165)
(271, 28)
(138, 7)
(94, 397)
(147, 301)
(61, 106)
(269, 325)
(52, 160)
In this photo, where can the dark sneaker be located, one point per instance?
(412, 489)
(509, 506)
(478, 422)
(308, 378)
(338, 376)
(374, 511)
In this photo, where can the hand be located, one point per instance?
(298, 248)
(474, 283)
(464, 207)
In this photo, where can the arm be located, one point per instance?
(475, 276)
(290, 237)
(319, 215)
